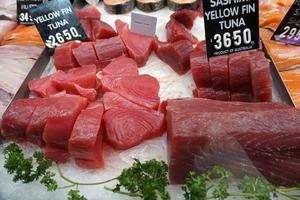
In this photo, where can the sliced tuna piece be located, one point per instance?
(84, 76)
(85, 54)
(61, 120)
(203, 92)
(86, 139)
(239, 76)
(17, 117)
(114, 100)
(121, 66)
(176, 55)
(142, 90)
(176, 31)
(73, 88)
(185, 17)
(43, 87)
(109, 49)
(88, 29)
(63, 56)
(128, 127)
(56, 154)
(88, 13)
(139, 51)
(220, 77)
(102, 30)
(261, 79)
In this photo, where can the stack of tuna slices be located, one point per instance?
(242, 76)
(96, 94)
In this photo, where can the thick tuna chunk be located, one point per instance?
(63, 56)
(114, 100)
(121, 66)
(102, 30)
(185, 17)
(176, 31)
(85, 54)
(85, 142)
(88, 13)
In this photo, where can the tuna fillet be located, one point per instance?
(109, 49)
(142, 90)
(185, 17)
(128, 127)
(245, 138)
(43, 87)
(85, 54)
(63, 56)
(176, 54)
(176, 31)
(56, 154)
(102, 30)
(113, 100)
(85, 143)
(121, 66)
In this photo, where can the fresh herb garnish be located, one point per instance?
(24, 169)
(74, 195)
(146, 180)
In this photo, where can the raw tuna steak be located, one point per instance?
(239, 76)
(142, 90)
(56, 154)
(85, 54)
(102, 30)
(121, 66)
(88, 13)
(109, 49)
(63, 56)
(88, 29)
(176, 54)
(245, 138)
(261, 79)
(176, 31)
(185, 17)
(85, 143)
(43, 87)
(65, 110)
(113, 100)
(139, 51)
(220, 77)
(128, 127)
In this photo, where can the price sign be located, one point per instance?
(230, 26)
(23, 6)
(143, 24)
(57, 23)
(288, 31)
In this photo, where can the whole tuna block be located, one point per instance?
(245, 138)
(85, 142)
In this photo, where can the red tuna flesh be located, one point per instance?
(88, 29)
(63, 56)
(139, 51)
(73, 88)
(109, 49)
(113, 100)
(176, 55)
(239, 76)
(261, 79)
(207, 93)
(85, 142)
(83, 76)
(56, 154)
(220, 77)
(142, 90)
(245, 138)
(85, 54)
(43, 87)
(185, 17)
(121, 66)
(17, 117)
(102, 30)
(176, 31)
(88, 13)
(65, 110)
(121, 26)
(128, 127)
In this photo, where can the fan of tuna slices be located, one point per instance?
(139, 46)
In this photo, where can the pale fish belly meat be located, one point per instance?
(245, 138)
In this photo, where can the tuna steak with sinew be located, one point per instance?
(246, 138)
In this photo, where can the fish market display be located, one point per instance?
(203, 133)
(242, 76)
